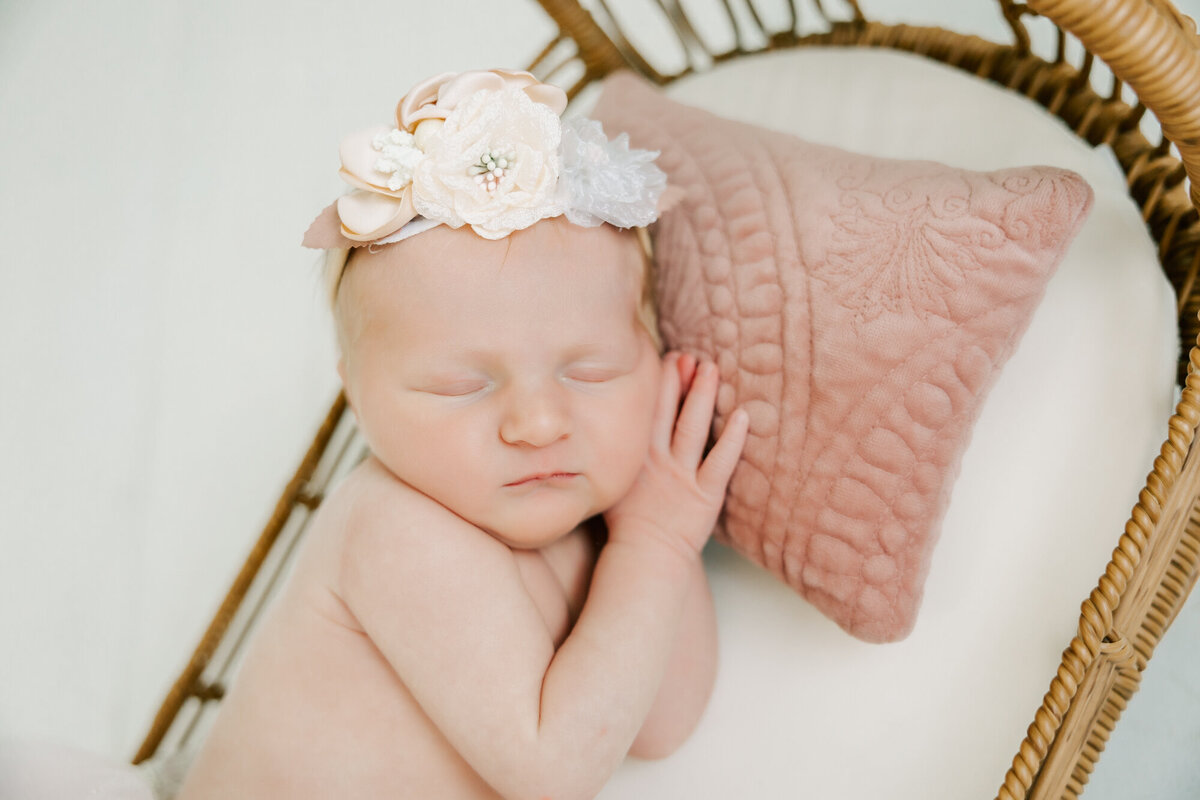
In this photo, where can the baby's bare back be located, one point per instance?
(316, 711)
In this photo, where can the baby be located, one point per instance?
(452, 628)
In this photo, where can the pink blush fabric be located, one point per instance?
(860, 309)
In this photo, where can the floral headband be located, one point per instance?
(486, 148)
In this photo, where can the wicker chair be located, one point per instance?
(1144, 54)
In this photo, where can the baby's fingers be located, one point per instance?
(717, 468)
(687, 370)
(695, 418)
(668, 403)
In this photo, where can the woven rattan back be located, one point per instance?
(1121, 72)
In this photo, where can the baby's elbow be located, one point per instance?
(557, 780)
(568, 790)
(672, 722)
(565, 793)
(655, 744)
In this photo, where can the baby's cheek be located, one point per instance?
(630, 445)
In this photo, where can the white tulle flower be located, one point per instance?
(494, 165)
(605, 181)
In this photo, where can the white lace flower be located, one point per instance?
(605, 181)
(494, 165)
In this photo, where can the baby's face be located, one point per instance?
(480, 365)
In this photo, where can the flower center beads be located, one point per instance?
(398, 157)
(490, 167)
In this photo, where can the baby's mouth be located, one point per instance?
(544, 478)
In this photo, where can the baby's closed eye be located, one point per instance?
(456, 388)
(590, 373)
(467, 384)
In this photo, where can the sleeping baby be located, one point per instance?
(506, 597)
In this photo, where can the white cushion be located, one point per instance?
(1062, 447)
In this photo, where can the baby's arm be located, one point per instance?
(688, 681)
(445, 605)
(692, 668)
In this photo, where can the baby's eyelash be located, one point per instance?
(593, 375)
(461, 389)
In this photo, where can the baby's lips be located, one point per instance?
(555, 475)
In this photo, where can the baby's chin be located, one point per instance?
(534, 522)
(533, 535)
(523, 521)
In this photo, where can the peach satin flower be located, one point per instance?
(441, 94)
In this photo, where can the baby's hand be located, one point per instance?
(675, 499)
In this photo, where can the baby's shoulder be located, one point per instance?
(378, 514)
(402, 554)
(369, 491)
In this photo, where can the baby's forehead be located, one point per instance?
(552, 258)
(562, 281)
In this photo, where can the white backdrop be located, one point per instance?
(164, 349)
(166, 353)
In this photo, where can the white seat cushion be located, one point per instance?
(1058, 456)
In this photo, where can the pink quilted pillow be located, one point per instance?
(860, 308)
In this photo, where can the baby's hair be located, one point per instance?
(332, 270)
(648, 305)
(337, 260)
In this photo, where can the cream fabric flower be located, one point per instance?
(378, 162)
(484, 148)
(493, 165)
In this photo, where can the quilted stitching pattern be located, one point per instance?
(860, 309)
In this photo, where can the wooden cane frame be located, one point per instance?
(1153, 55)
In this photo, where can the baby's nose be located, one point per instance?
(535, 415)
